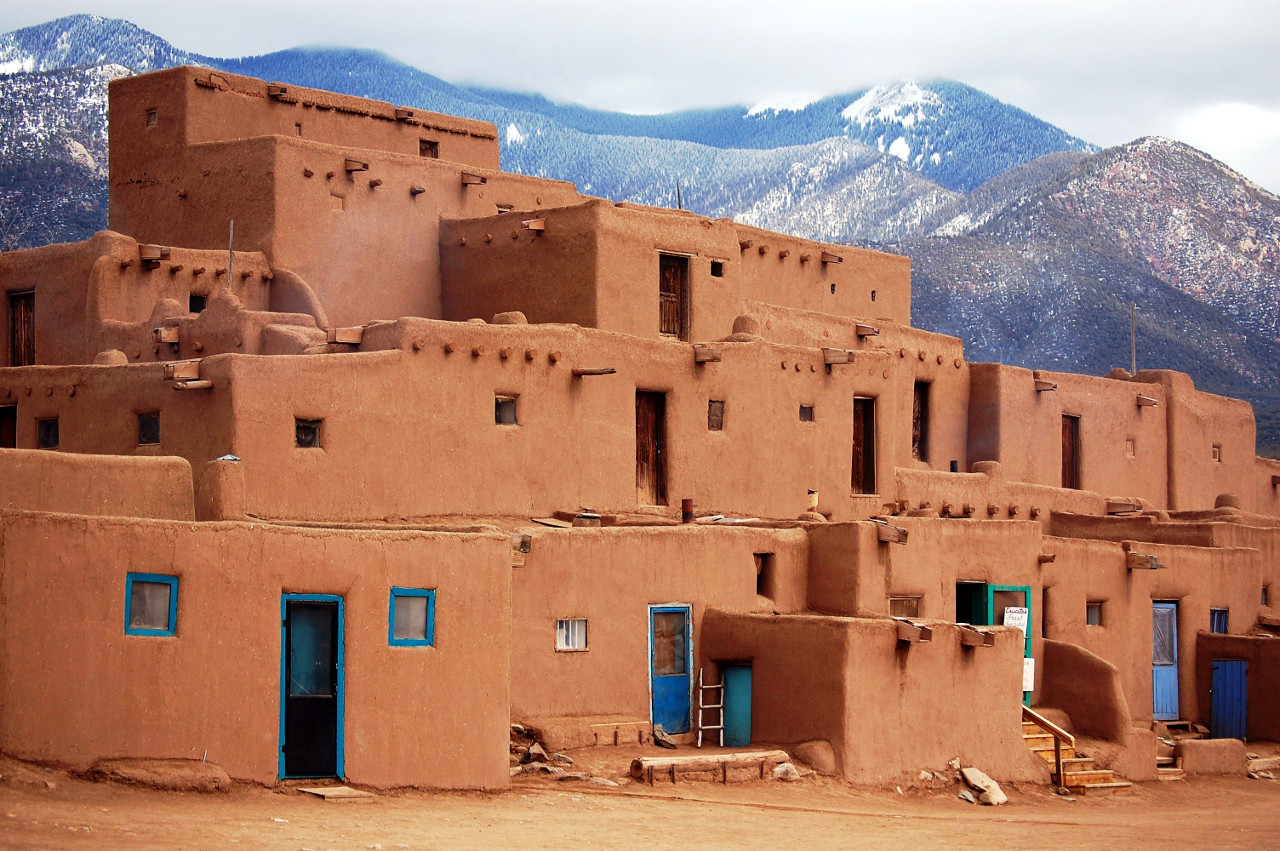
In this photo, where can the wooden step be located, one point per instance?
(1092, 777)
(1068, 752)
(1096, 788)
(1077, 763)
(1037, 741)
(1163, 773)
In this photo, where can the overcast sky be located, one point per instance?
(1206, 73)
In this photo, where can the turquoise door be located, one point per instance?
(311, 687)
(737, 705)
(670, 661)
(1228, 698)
(1164, 661)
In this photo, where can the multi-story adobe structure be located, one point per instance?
(269, 488)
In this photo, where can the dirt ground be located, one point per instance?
(1219, 812)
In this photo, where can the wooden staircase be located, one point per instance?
(1058, 748)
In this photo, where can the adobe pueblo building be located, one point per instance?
(343, 449)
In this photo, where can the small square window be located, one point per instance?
(47, 433)
(806, 413)
(504, 410)
(1217, 452)
(717, 268)
(1093, 613)
(429, 148)
(1218, 619)
(904, 607)
(149, 429)
(412, 618)
(307, 433)
(150, 604)
(715, 414)
(197, 303)
(152, 117)
(571, 634)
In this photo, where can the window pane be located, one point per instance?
(1162, 652)
(1093, 614)
(904, 607)
(311, 649)
(411, 618)
(149, 605)
(669, 653)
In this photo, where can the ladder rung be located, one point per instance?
(713, 726)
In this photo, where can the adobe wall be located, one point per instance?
(1013, 423)
(75, 696)
(1262, 709)
(194, 105)
(888, 708)
(117, 486)
(597, 264)
(1197, 423)
(1266, 496)
(611, 576)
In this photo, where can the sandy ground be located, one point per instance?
(1218, 812)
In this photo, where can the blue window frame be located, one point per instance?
(412, 617)
(150, 604)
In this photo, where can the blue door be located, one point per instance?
(670, 660)
(1228, 699)
(311, 687)
(1164, 661)
(737, 705)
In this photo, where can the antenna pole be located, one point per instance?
(231, 258)
(1133, 342)
(679, 200)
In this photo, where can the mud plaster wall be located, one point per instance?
(1262, 709)
(887, 708)
(1010, 422)
(36, 480)
(610, 577)
(79, 694)
(1197, 578)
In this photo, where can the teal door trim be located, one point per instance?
(339, 674)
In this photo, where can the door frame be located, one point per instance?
(687, 608)
(1176, 605)
(340, 676)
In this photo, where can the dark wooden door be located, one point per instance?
(8, 426)
(920, 422)
(1070, 452)
(673, 296)
(22, 328)
(313, 688)
(651, 478)
(863, 475)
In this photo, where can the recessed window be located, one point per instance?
(920, 422)
(806, 413)
(715, 414)
(149, 429)
(150, 604)
(1218, 621)
(1217, 452)
(297, 129)
(412, 617)
(429, 148)
(571, 634)
(197, 303)
(717, 268)
(904, 607)
(504, 410)
(307, 433)
(337, 202)
(1130, 447)
(1093, 613)
(152, 117)
(1266, 595)
(765, 580)
(873, 295)
(47, 433)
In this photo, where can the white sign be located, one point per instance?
(1017, 616)
(1028, 674)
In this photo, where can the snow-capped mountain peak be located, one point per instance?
(903, 102)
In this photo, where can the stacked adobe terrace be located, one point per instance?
(291, 456)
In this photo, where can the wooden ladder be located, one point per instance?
(716, 709)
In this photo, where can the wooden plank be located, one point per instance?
(552, 522)
(642, 768)
(337, 793)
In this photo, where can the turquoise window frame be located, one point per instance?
(430, 639)
(160, 579)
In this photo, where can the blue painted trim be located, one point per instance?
(688, 644)
(339, 762)
(172, 582)
(430, 640)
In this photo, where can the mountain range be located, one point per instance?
(1027, 242)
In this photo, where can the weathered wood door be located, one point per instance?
(1070, 452)
(22, 328)
(651, 450)
(863, 475)
(920, 422)
(673, 296)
